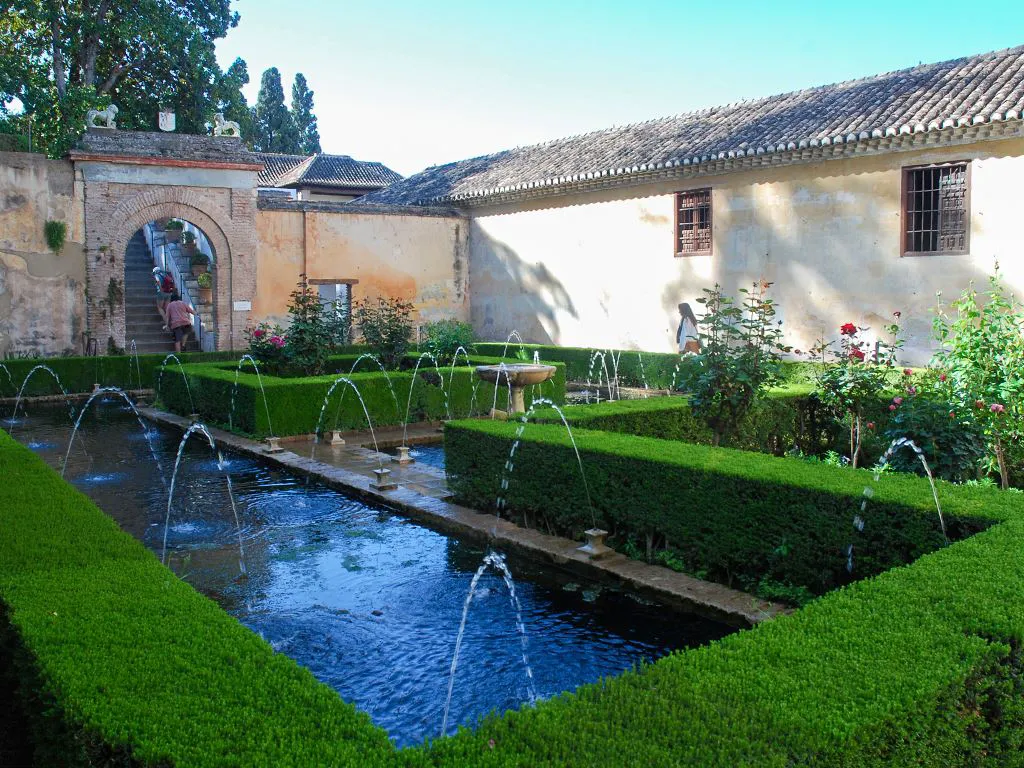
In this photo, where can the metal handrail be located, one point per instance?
(169, 259)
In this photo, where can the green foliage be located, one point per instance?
(385, 327)
(982, 354)
(55, 232)
(205, 280)
(856, 377)
(274, 128)
(294, 404)
(444, 337)
(120, 662)
(61, 59)
(308, 340)
(739, 357)
(189, 238)
(175, 225)
(930, 415)
(302, 114)
(726, 512)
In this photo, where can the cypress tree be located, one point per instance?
(302, 114)
(273, 127)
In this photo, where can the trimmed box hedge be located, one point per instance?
(121, 663)
(294, 404)
(735, 515)
(80, 374)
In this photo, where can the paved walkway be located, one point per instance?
(420, 492)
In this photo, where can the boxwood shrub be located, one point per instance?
(118, 662)
(294, 404)
(736, 516)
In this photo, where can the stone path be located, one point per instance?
(420, 494)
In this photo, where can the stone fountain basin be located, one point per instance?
(516, 374)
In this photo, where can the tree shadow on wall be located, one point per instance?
(510, 294)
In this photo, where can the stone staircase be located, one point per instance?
(142, 321)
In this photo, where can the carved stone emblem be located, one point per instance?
(166, 120)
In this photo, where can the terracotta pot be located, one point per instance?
(206, 295)
(198, 268)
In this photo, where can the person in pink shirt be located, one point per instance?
(179, 320)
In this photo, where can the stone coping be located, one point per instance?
(410, 498)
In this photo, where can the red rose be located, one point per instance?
(952, 414)
(856, 354)
(871, 425)
(258, 333)
(942, 377)
(898, 400)
(848, 329)
(979, 403)
(892, 407)
(907, 372)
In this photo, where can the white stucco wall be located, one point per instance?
(599, 270)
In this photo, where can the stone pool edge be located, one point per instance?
(668, 587)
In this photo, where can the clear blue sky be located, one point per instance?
(414, 83)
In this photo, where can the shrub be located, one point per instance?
(737, 516)
(855, 377)
(55, 232)
(174, 224)
(444, 337)
(385, 327)
(739, 357)
(308, 341)
(205, 280)
(982, 353)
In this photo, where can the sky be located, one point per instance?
(416, 83)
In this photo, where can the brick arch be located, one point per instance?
(107, 242)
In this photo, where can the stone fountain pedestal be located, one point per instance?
(272, 445)
(336, 438)
(382, 480)
(595, 546)
(517, 376)
(403, 457)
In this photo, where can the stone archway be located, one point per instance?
(225, 219)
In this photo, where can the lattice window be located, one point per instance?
(693, 222)
(936, 209)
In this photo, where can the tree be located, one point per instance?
(231, 101)
(61, 57)
(302, 114)
(273, 127)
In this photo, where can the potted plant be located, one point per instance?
(172, 230)
(205, 281)
(200, 262)
(188, 244)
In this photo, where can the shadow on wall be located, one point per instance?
(510, 294)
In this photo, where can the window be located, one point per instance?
(936, 209)
(336, 299)
(693, 222)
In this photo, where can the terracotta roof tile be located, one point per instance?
(983, 88)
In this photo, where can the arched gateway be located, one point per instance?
(132, 178)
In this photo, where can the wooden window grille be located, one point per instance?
(693, 222)
(936, 209)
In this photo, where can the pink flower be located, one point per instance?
(490, 743)
(996, 408)
(907, 372)
(952, 414)
(848, 329)
(259, 333)
(898, 400)
(892, 407)
(942, 377)
(911, 390)
(277, 341)
(871, 425)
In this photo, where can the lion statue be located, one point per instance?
(108, 115)
(222, 127)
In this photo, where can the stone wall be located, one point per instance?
(419, 255)
(599, 269)
(42, 294)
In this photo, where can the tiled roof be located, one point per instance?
(323, 170)
(987, 88)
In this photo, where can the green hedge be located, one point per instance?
(120, 662)
(918, 666)
(734, 515)
(294, 404)
(79, 374)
